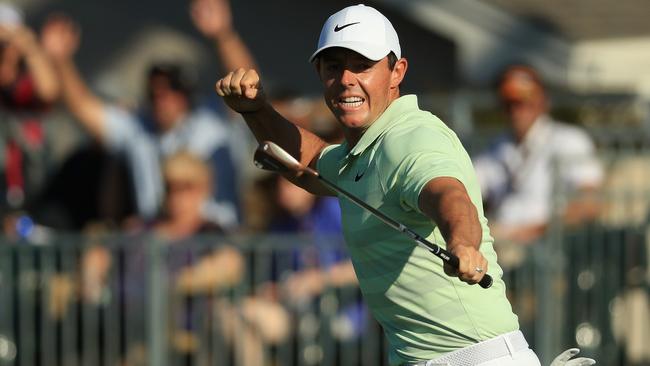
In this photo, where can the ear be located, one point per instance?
(398, 73)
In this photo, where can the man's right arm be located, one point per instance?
(61, 40)
(242, 91)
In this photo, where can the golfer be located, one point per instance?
(408, 164)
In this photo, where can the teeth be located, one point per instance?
(352, 101)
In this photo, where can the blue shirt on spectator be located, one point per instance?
(202, 132)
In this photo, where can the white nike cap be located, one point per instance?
(362, 29)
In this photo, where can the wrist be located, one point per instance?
(224, 35)
(459, 243)
(254, 110)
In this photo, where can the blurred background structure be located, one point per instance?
(86, 279)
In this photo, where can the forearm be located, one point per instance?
(84, 105)
(43, 74)
(268, 125)
(242, 91)
(232, 51)
(585, 206)
(448, 204)
(341, 274)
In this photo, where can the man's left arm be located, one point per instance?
(445, 201)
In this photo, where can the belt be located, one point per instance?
(503, 345)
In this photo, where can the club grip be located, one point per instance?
(453, 261)
(486, 281)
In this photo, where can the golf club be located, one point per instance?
(270, 156)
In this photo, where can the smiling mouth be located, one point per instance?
(350, 102)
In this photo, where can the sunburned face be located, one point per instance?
(358, 90)
(522, 113)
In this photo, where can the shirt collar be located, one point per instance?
(390, 117)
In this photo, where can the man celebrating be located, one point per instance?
(408, 164)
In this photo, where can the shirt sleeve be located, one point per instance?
(122, 128)
(578, 162)
(326, 164)
(490, 174)
(430, 155)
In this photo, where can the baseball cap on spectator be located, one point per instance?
(362, 29)
(10, 15)
(520, 83)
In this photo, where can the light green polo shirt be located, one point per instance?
(423, 312)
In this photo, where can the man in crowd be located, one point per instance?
(519, 172)
(177, 124)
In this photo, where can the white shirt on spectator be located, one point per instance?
(518, 180)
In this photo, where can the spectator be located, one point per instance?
(517, 174)
(28, 87)
(172, 124)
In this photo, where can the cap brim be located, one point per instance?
(371, 52)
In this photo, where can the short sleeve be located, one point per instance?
(579, 164)
(122, 128)
(327, 162)
(430, 155)
(490, 174)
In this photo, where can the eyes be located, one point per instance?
(355, 66)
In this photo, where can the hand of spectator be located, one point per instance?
(211, 17)
(302, 286)
(242, 91)
(61, 291)
(95, 265)
(60, 37)
(222, 268)
(470, 261)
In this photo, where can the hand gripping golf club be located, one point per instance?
(270, 156)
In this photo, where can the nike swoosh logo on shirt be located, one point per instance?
(337, 28)
(358, 176)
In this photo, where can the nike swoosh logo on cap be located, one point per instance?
(337, 28)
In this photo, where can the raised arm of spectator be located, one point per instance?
(39, 66)
(213, 19)
(61, 40)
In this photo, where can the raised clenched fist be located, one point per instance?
(242, 90)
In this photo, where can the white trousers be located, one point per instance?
(510, 349)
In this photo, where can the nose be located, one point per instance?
(348, 77)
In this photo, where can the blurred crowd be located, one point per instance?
(176, 167)
(115, 178)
